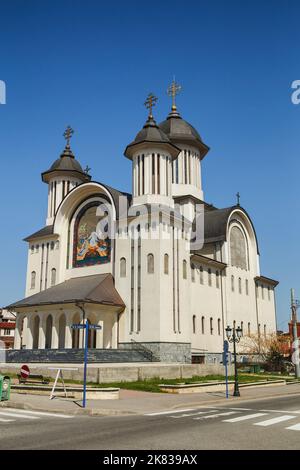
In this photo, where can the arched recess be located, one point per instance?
(75, 333)
(62, 331)
(49, 326)
(92, 335)
(66, 215)
(35, 332)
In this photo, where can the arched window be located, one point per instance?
(259, 329)
(123, 267)
(33, 279)
(219, 326)
(166, 263)
(249, 329)
(217, 279)
(32, 249)
(53, 277)
(49, 325)
(211, 326)
(232, 283)
(201, 275)
(184, 269)
(194, 324)
(209, 277)
(202, 325)
(150, 263)
(247, 287)
(238, 248)
(240, 285)
(242, 327)
(36, 332)
(91, 246)
(193, 272)
(265, 331)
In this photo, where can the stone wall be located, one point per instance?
(164, 351)
(124, 373)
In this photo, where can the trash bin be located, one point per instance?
(4, 387)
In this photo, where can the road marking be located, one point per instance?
(217, 415)
(281, 411)
(193, 414)
(17, 415)
(3, 420)
(296, 427)
(169, 412)
(240, 409)
(243, 418)
(271, 421)
(38, 413)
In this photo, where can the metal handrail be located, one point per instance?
(145, 351)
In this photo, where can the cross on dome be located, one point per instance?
(68, 134)
(150, 102)
(173, 90)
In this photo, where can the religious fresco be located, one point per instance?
(89, 246)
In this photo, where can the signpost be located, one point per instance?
(85, 326)
(226, 357)
(25, 372)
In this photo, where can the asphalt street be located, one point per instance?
(256, 424)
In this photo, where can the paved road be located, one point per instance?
(264, 424)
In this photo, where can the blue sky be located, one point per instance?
(91, 64)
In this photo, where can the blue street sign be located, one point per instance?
(86, 326)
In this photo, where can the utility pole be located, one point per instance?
(294, 305)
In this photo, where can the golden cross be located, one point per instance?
(68, 134)
(173, 90)
(150, 102)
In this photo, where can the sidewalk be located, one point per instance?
(134, 402)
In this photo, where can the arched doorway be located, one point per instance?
(75, 333)
(92, 337)
(35, 334)
(49, 325)
(61, 331)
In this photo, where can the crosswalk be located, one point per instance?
(10, 415)
(227, 415)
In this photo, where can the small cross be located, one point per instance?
(87, 170)
(150, 102)
(238, 196)
(68, 134)
(173, 90)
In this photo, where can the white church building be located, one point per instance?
(160, 270)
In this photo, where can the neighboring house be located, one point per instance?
(7, 328)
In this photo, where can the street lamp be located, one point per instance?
(234, 336)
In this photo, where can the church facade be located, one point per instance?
(159, 270)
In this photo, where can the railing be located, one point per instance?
(145, 351)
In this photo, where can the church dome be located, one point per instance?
(151, 133)
(67, 163)
(180, 131)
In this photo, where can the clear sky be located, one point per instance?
(91, 64)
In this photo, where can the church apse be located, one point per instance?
(90, 245)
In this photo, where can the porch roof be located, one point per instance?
(97, 289)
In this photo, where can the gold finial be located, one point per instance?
(150, 102)
(68, 134)
(173, 90)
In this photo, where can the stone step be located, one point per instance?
(74, 356)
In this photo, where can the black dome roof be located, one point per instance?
(151, 133)
(66, 163)
(180, 131)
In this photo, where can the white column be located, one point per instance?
(68, 334)
(55, 331)
(18, 332)
(28, 333)
(99, 335)
(42, 332)
(114, 344)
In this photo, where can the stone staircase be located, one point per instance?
(75, 356)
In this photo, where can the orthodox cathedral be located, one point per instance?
(160, 271)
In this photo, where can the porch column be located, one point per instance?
(18, 332)
(114, 342)
(28, 330)
(55, 330)
(42, 332)
(99, 335)
(68, 335)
